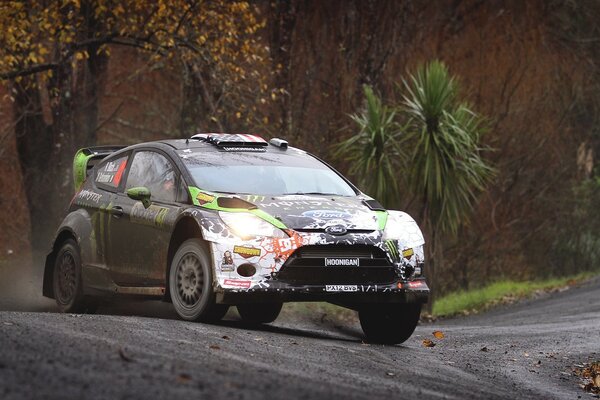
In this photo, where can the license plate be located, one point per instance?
(341, 262)
(341, 288)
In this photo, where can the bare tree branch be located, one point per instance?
(28, 71)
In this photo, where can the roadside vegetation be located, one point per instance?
(463, 302)
(436, 137)
(501, 292)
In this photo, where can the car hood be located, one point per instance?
(318, 212)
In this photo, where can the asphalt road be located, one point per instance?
(142, 351)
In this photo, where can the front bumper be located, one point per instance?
(402, 292)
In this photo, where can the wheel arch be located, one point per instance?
(62, 236)
(186, 228)
(77, 226)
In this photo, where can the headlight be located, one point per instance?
(393, 230)
(247, 225)
(400, 226)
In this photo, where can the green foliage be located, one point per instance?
(374, 153)
(576, 237)
(430, 145)
(446, 167)
(480, 299)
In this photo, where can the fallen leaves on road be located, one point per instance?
(124, 356)
(225, 337)
(184, 378)
(438, 334)
(590, 375)
(214, 347)
(428, 343)
(484, 348)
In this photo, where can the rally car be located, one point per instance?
(228, 219)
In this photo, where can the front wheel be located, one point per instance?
(190, 284)
(389, 323)
(259, 313)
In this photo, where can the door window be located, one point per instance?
(154, 172)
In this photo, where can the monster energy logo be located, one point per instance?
(153, 215)
(393, 250)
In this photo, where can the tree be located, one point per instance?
(54, 55)
(430, 145)
(447, 171)
(374, 153)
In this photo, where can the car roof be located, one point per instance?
(201, 145)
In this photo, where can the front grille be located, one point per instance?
(306, 266)
(339, 250)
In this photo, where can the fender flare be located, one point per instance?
(77, 225)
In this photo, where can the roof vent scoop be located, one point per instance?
(282, 144)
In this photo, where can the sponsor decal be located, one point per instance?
(104, 177)
(326, 214)
(392, 250)
(113, 166)
(337, 230)
(237, 283)
(227, 262)
(341, 288)
(204, 198)
(88, 195)
(246, 252)
(283, 248)
(152, 216)
(112, 172)
(342, 262)
(408, 253)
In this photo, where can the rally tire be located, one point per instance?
(67, 280)
(191, 284)
(389, 323)
(259, 313)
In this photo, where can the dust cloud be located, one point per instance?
(21, 286)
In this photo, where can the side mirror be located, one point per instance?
(140, 193)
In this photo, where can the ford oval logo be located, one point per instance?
(337, 230)
(326, 214)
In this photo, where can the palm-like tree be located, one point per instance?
(374, 153)
(447, 170)
(436, 154)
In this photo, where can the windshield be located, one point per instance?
(291, 172)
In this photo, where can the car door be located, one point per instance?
(107, 179)
(139, 236)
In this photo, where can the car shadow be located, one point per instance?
(296, 331)
(292, 326)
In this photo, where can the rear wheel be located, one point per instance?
(190, 284)
(389, 323)
(259, 313)
(67, 282)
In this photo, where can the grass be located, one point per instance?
(465, 302)
(462, 302)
